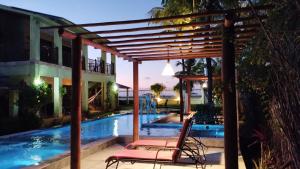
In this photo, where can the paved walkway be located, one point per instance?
(215, 158)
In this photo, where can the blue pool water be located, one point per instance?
(32, 148)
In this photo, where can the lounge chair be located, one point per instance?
(161, 156)
(190, 143)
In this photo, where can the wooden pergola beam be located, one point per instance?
(173, 57)
(71, 36)
(215, 35)
(168, 43)
(194, 15)
(128, 50)
(244, 38)
(163, 39)
(183, 52)
(202, 30)
(176, 53)
(180, 49)
(160, 34)
(171, 50)
(147, 28)
(196, 77)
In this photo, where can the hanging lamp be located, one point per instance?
(168, 70)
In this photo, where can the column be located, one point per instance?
(13, 103)
(188, 92)
(85, 95)
(34, 39)
(113, 62)
(103, 59)
(229, 94)
(135, 100)
(57, 97)
(58, 44)
(104, 94)
(76, 103)
(181, 100)
(85, 57)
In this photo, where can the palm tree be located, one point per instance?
(181, 7)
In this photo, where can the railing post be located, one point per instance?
(135, 100)
(188, 91)
(229, 97)
(181, 100)
(76, 103)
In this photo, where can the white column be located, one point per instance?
(13, 103)
(57, 97)
(34, 39)
(85, 95)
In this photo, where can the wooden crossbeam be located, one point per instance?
(163, 39)
(127, 50)
(194, 15)
(202, 30)
(216, 22)
(175, 54)
(146, 28)
(174, 51)
(214, 35)
(178, 42)
(161, 33)
(69, 35)
(168, 43)
(173, 57)
(166, 49)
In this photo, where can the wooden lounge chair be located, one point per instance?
(190, 143)
(161, 156)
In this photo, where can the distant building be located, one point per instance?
(29, 54)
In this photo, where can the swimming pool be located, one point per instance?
(31, 148)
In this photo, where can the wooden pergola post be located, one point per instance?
(229, 97)
(76, 102)
(135, 100)
(181, 100)
(188, 91)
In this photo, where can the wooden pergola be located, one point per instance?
(188, 79)
(224, 35)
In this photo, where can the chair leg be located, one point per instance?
(117, 165)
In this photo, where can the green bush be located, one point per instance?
(206, 114)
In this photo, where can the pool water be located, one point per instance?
(32, 148)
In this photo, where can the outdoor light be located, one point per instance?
(115, 88)
(158, 99)
(168, 70)
(178, 98)
(204, 85)
(37, 81)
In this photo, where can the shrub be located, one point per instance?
(206, 114)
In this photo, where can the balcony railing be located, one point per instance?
(96, 65)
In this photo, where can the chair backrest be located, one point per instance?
(187, 125)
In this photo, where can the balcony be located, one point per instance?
(96, 65)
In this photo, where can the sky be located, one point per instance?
(86, 11)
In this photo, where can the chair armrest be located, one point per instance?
(163, 149)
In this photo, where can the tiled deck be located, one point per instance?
(215, 158)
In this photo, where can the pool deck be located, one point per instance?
(215, 158)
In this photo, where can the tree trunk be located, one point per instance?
(209, 81)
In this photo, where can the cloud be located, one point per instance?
(147, 78)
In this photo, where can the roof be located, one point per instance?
(120, 86)
(57, 19)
